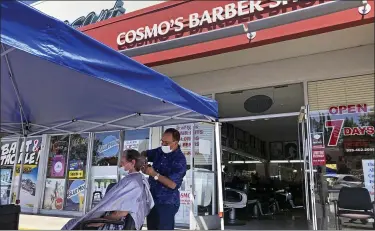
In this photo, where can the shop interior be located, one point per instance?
(263, 171)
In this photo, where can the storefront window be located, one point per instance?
(137, 139)
(66, 172)
(30, 171)
(104, 164)
(343, 155)
(204, 177)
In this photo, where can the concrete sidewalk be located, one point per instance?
(39, 222)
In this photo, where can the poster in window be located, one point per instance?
(54, 194)
(28, 184)
(291, 150)
(75, 195)
(76, 169)
(58, 166)
(276, 151)
(106, 149)
(5, 185)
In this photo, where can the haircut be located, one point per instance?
(131, 155)
(175, 134)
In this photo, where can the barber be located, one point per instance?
(165, 178)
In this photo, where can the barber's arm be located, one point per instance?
(175, 179)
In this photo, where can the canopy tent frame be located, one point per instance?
(59, 127)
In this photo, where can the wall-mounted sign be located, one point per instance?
(196, 20)
(348, 109)
(82, 13)
(92, 17)
(8, 152)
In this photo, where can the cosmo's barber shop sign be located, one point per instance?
(211, 16)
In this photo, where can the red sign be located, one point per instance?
(318, 156)
(348, 109)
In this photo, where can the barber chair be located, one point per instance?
(263, 203)
(234, 199)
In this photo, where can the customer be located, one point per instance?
(129, 196)
(166, 175)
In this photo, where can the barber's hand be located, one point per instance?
(148, 170)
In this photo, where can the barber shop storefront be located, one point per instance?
(296, 106)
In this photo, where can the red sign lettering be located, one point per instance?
(359, 131)
(336, 126)
(348, 109)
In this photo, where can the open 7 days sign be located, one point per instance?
(217, 14)
(337, 125)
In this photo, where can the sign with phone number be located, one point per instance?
(76, 174)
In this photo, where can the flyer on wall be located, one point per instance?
(75, 195)
(5, 185)
(54, 194)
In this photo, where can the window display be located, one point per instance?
(30, 171)
(343, 151)
(66, 172)
(106, 149)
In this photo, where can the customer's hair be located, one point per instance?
(175, 134)
(131, 155)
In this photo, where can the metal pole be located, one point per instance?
(305, 169)
(311, 170)
(192, 186)
(23, 154)
(16, 157)
(88, 191)
(213, 168)
(219, 174)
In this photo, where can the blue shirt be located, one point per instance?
(171, 165)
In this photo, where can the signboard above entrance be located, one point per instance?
(252, 8)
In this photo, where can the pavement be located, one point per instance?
(42, 222)
(39, 222)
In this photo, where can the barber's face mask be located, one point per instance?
(166, 149)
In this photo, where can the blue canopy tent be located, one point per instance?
(55, 79)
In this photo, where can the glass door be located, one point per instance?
(309, 184)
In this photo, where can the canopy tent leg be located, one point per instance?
(18, 147)
(219, 174)
(22, 155)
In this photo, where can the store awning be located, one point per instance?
(55, 79)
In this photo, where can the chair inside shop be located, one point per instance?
(354, 204)
(9, 217)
